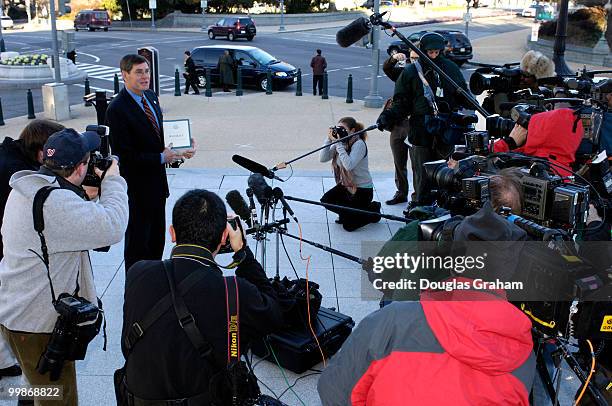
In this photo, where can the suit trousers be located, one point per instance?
(317, 81)
(419, 155)
(28, 348)
(193, 82)
(399, 150)
(145, 236)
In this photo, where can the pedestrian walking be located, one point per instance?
(318, 65)
(191, 76)
(226, 70)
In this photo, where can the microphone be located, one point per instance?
(253, 166)
(278, 193)
(353, 32)
(252, 208)
(239, 206)
(262, 191)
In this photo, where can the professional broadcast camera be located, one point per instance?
(100, 158)
(78, 323)
(496, 80)
(499, 127)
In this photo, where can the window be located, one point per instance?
(243, 59)
(211, 56)
(101, 16)
(262, 57)
(244, 21)
(220, 22)
(229, 22)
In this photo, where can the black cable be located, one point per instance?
(295, 383)
(288, 257)
(259, 380)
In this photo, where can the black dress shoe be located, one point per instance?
(397, 199)
(14, 370)
(411, 205)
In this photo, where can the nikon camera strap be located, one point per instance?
(233, 319)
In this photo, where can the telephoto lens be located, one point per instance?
(60, 344)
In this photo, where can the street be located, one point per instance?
(98, 53)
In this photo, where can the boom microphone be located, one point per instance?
(253, 166)
(239, 206)
(262, 191)
(353, 32)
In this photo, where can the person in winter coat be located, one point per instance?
(470, 346)
(226, 70)
(191, 76)
(318, 65)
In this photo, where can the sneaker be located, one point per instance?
(411, 205)
(398, 198)
(14, 370)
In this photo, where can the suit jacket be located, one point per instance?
(133, 140)
(190, 67)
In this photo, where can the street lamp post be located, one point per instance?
(152, 6)
(282, 17)
(561, 67)
(203, 5)
(373, 99)
(2, 47)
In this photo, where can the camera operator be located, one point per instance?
(417, 91)
(163, 364)
(393, 68)
(448, 345)
(354, 187)
(72, 226)
(535, 66)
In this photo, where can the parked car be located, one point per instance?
(541, 12)
(92, 20)
(458, 46)
(254, 63)
(6, 21)
(232, 28)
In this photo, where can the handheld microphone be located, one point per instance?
(262, 191)
(253, 166)
(353, 32)
(239, 206)
(252, 208)
(278, 193)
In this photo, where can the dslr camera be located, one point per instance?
(338, 132)
(236, 225)
(78, 323)
(100, 158)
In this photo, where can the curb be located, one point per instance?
(34, 84)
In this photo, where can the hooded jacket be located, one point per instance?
(470, 346)
(72, 227)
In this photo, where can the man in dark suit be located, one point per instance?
(191, 75)
(137, 138)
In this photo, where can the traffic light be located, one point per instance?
(63, 7)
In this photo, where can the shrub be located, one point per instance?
(23, 60)
(584, 26)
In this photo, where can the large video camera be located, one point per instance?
(78, 323)
(499, 127)
(100, 158)
(496, 80)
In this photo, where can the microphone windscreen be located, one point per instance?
(252, 166)
(260, 187)
(353, 32)
(239, 205)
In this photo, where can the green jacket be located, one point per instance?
(409, 99)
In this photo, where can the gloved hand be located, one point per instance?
(383, 122)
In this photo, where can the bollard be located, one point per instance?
(239, 81)
(325, 96)
(1, 114)
(208, 92)
(269, 82)
(30, 105)
(349, 89)
(87, 91)
(298, 86)
(116, 83)
(177, 83)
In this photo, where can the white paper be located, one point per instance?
(177, 133)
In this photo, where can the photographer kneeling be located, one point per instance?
(168, 360)
(354, 187)
(72, 226)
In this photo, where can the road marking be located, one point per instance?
(95, 58)
(104, 72)
(95, 88)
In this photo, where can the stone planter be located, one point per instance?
(28, 76)
(20, 72)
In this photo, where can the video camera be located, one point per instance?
(499, 127)
(496, 80)
(100, 158)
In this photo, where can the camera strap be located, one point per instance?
(39, 226)
(427, 90)
(233, 319)
(185, 318)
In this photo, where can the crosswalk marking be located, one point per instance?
(103, 72)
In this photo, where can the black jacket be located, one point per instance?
(190, 67)
(12, 159)
(164, 364)
(133, 140)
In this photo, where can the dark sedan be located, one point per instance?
(458, 46)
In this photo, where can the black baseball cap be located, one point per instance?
(68, 147)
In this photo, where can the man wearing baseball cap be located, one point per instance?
(419, 93)
(73, 224)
